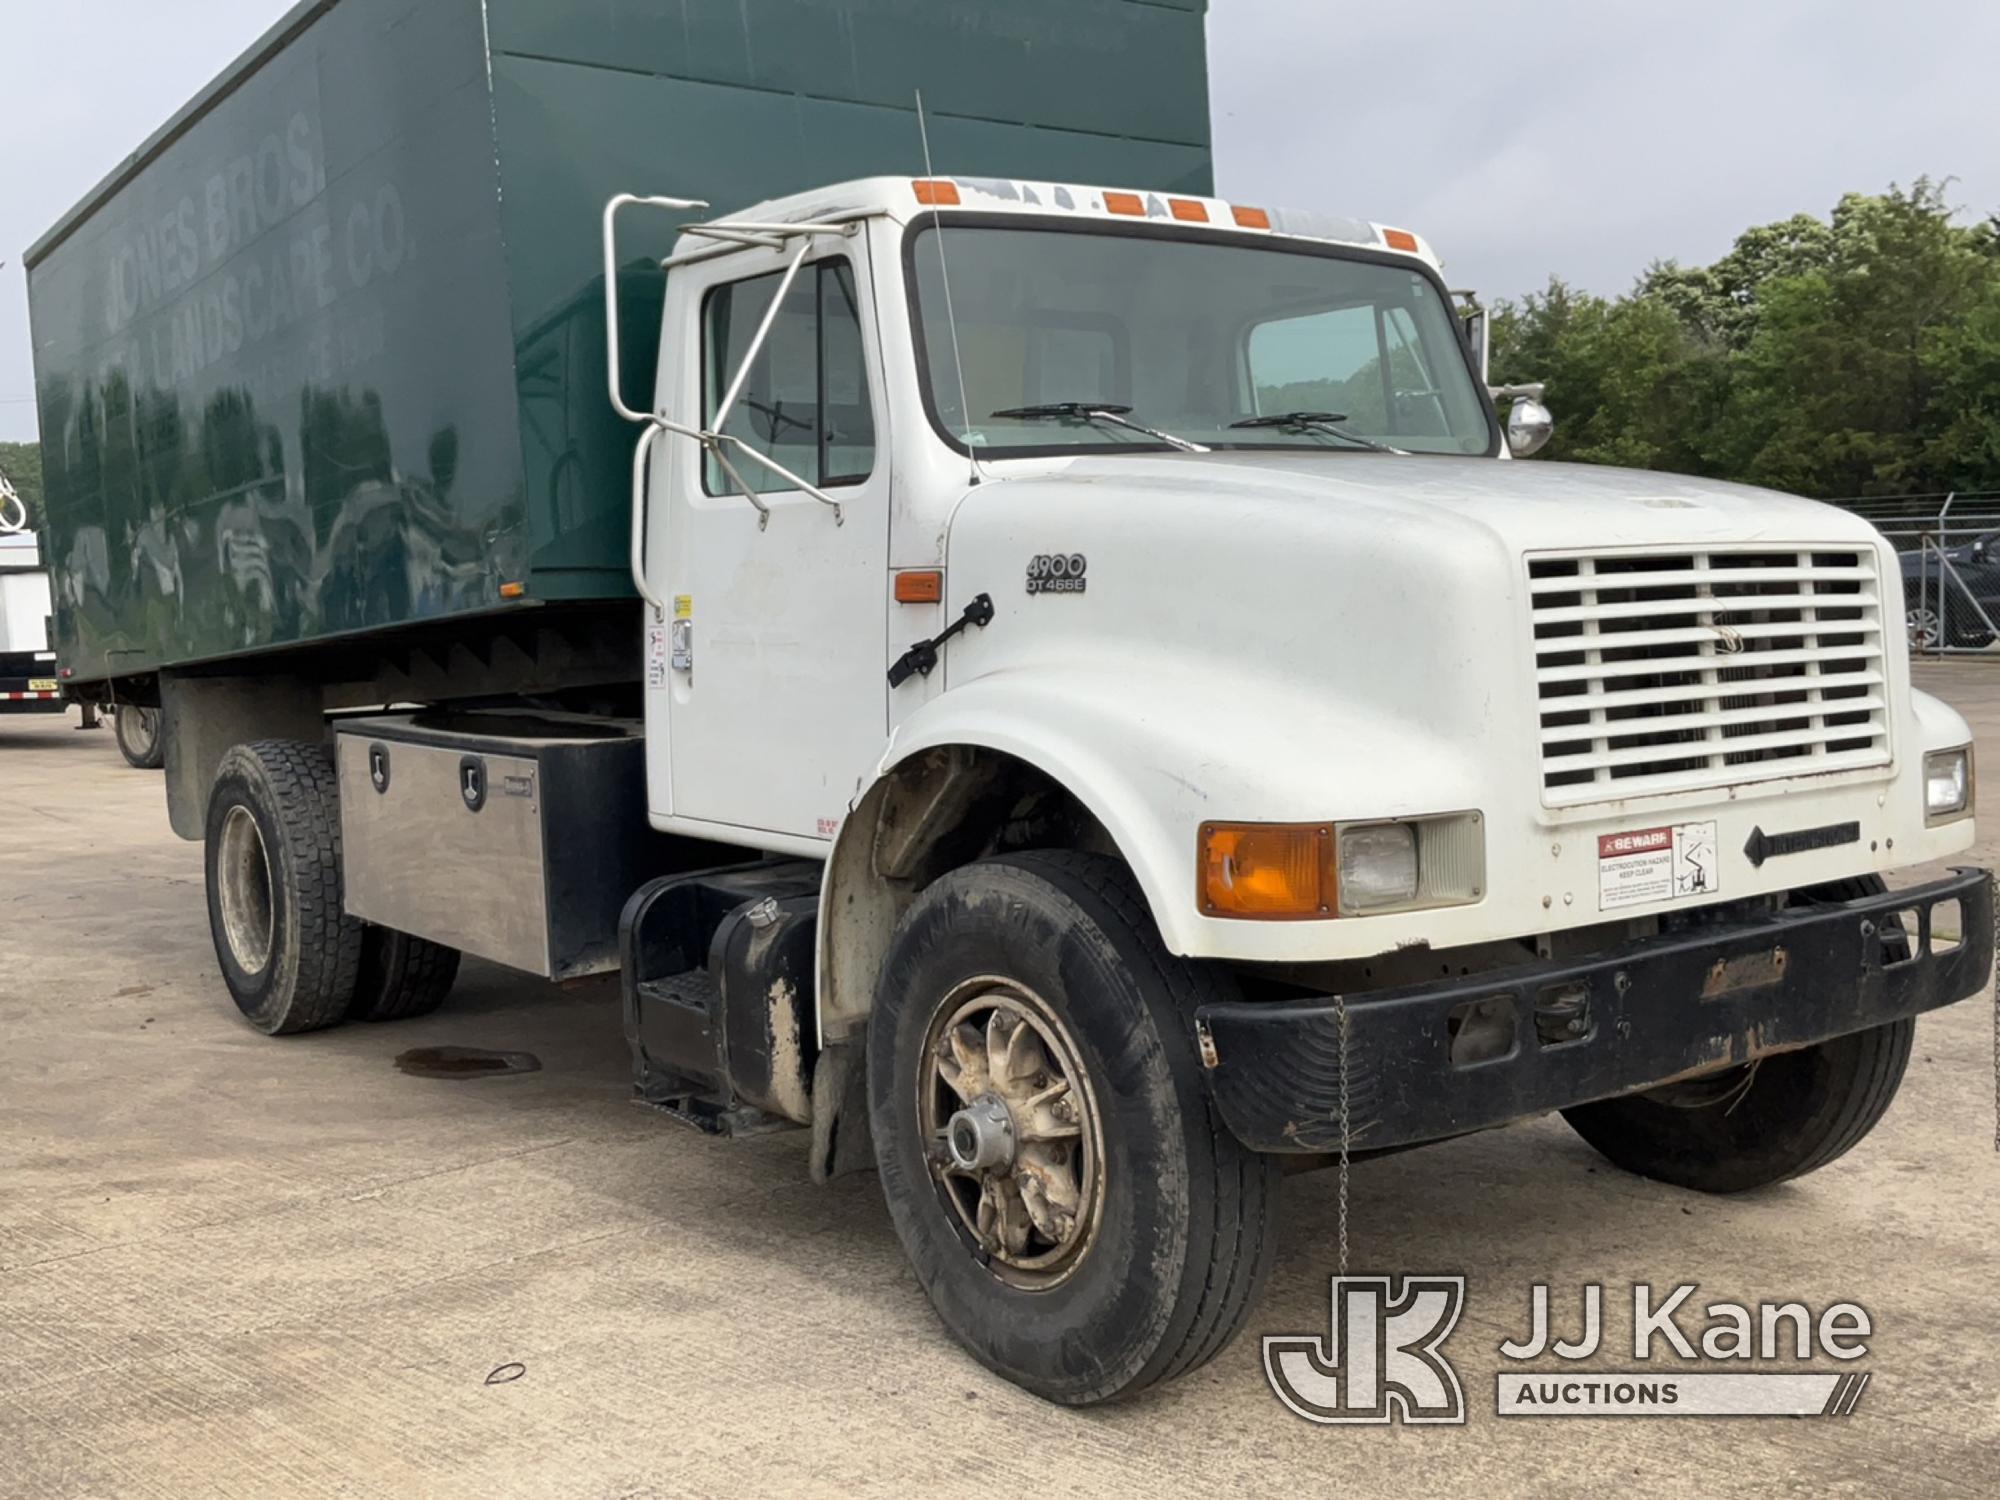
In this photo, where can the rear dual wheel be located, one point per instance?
(292, 958)
(138, 731)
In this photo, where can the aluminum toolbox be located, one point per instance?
(513, 837)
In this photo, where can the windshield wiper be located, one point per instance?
(1319, 421)
(1096, 411)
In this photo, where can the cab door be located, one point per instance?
(772, 696)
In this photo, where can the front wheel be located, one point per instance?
(1079, 1216)
(1748, 1127)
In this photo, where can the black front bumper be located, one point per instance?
(1429, 1062)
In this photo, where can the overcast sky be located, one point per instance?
(1581, 137)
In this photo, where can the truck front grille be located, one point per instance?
(1678, 671)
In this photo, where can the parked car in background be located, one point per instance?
(1951, 595)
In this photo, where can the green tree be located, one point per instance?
(1854, 355)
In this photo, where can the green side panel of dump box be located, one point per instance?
(325, 357)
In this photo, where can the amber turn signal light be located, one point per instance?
(919, 586)
(1272, 871)
(936, 192)
(1399, 239)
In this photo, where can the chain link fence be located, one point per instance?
(1949, 548)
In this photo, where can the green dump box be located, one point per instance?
(324, 359)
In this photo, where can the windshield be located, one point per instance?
(1195, 337)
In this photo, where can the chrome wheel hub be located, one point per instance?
(980, 1137)
(1016, 1148)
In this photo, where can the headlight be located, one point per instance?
(1948, 784)
(1280, 871)
(1378, 865)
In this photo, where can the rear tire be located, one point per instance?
(401, 976)
(140, 741)
(1162, 1221)
(289, 953)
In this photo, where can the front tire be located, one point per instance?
(1779, 1117)
(1080, 1218)
(289, 953)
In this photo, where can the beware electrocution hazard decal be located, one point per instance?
(1656, 864)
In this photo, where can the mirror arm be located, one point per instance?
(712, 443)
(781, 471)
(721, 417)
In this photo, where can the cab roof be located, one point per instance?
(902, 198)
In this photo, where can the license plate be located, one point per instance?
(42, 684)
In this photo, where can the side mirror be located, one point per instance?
(1530, 425)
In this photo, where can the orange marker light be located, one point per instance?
(936, 191)
(920, 586)
(1273, 871)
(1188, 210)
(1399, 239)
(1250, 218)
(1124, 203)
(513, 590)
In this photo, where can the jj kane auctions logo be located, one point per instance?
(1382, 1358)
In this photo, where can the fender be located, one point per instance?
(1151, 757)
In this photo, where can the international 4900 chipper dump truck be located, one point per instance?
(1048, 678)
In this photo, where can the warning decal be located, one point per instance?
(1656, 864)
(656, 656)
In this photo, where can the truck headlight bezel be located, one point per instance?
(1320, 871)
(1952, 771)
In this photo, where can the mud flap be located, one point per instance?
(841, 1140)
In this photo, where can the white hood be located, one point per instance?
(1529, 506)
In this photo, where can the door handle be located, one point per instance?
(641, 473)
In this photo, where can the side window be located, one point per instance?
(1324, 361)
(805, 404)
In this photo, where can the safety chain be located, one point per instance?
(1340, 1018)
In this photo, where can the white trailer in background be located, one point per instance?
(27, 666)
